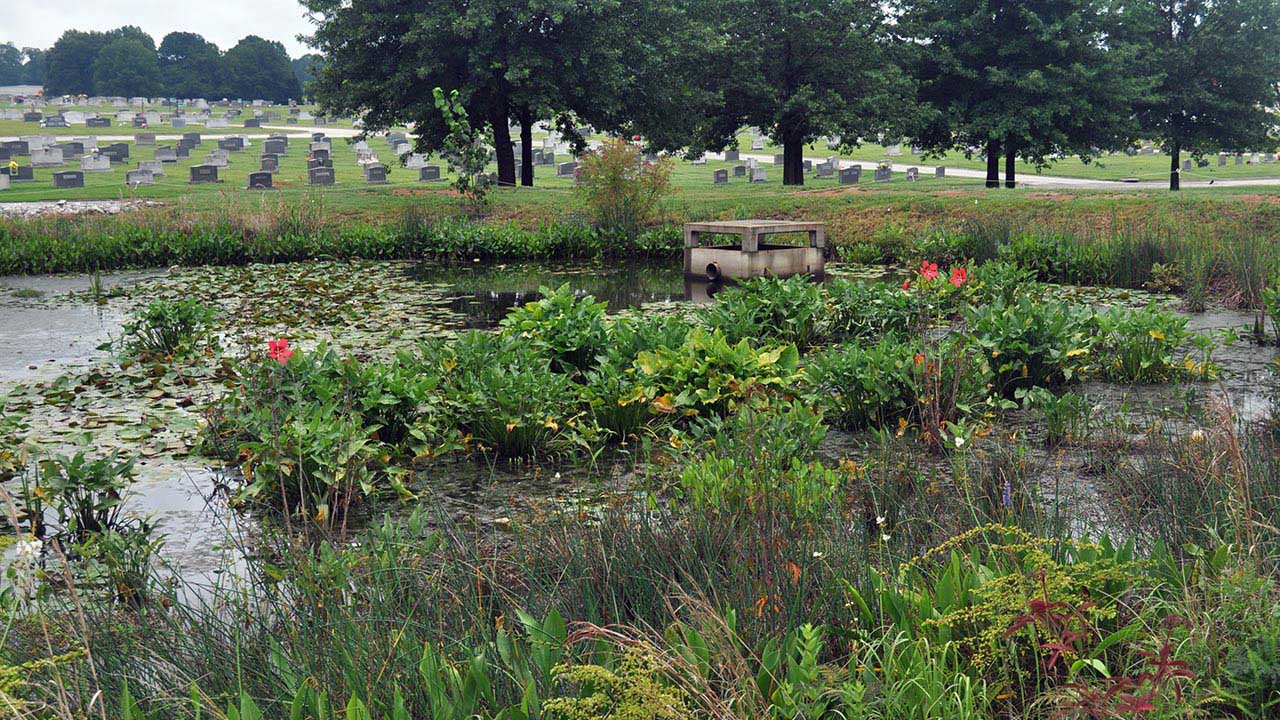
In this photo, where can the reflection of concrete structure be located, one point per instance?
(751, 256)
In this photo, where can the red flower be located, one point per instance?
(279, 351)
(928, 270)
(959, 276)
(906, 284)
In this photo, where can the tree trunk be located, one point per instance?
(793, 162)
(1175, 173)
(993, 163)
(526, 147)
(1010, 158)
(502, 148)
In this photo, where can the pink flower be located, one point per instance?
(928, 270)
(279, 351)
(959, 276)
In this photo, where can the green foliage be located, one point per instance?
(707, 375)
(84, 493)
(1031, 343)
(1066, 416)
(467, 155)
(1271, 304)
(861, 386)
(634, 690)
(569, 329)
(167, 327)
(1057, 259)
(610, 387)
(503, 396)
(789, 311)
(1139, 345)
(868, 311)
(621, 188)
(1252, 671)
(761, 458)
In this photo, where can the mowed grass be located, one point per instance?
(1112, 167)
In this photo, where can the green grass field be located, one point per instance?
(1115, 167)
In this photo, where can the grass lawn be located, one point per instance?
(1116, 167)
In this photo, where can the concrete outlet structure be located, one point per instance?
(751, 256)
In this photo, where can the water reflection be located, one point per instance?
(483, 294)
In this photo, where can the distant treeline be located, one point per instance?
(126, 62)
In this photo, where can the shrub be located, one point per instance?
(621, 188)
(1030, 343)
(570, 329)
(167, 327)
(708, 375)
(633, 690)
(861, 386)
(788, 311)
(504, 394)
(1139, 345)
(862, 310)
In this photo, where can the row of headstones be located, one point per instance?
(846, 176)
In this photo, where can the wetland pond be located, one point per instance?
(64, 388)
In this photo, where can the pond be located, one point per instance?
(65, 390)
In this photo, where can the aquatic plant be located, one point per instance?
(167, 327)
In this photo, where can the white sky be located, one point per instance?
(39, 23)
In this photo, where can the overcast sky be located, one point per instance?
(39, 23)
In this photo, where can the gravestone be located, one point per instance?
(566, 169)
(139, 121)
(430, 173)
(4, 182)
(115, 152)
(913, 174)
(68, 179)
(778, 159)
(291, 121)
(884, 174)
(850, 175)
(548, 158)
(182, 151)
(940, 172)
(1239, 159)
(98, 122)
(18, 147)
(1186, 165)
(759, 175)
(24, 173)
(229, 144)
(145, 139)
(375, 175)
(178, 123)
(204, 174)
(1269, 158)
(321, 154)
(739, 170)
(275, 147)
(191, 138)
(720, 177)
(166, 154)
(808, 166)
(155, 167)
(260, 181)
(701, 161)
(47, 157)
(313, 163)
(95, 163)
(4, 156)
(1222, 160)
(56, 121)
(72, 150)
(32, 116)
(757, 144)
(731, 156)
(269, 165)
(253, 123)
(320, 176)
(217, 159)
(134, 178)
(893, 150)
(826, 170)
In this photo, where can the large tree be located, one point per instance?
(383, 59)
(192, 66)
(126, 67)
(35, 66)
(260, 69)
(70, 62)
(305, 68)
(797, 69)
(1019, 78)
(11, 72)
(1216, 67)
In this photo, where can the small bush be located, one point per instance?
(1031, 343)
(167, 327)
(621, 188)
(1139, 345)
(788, 311)
(569, 328)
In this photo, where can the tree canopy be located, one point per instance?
(125, 66)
